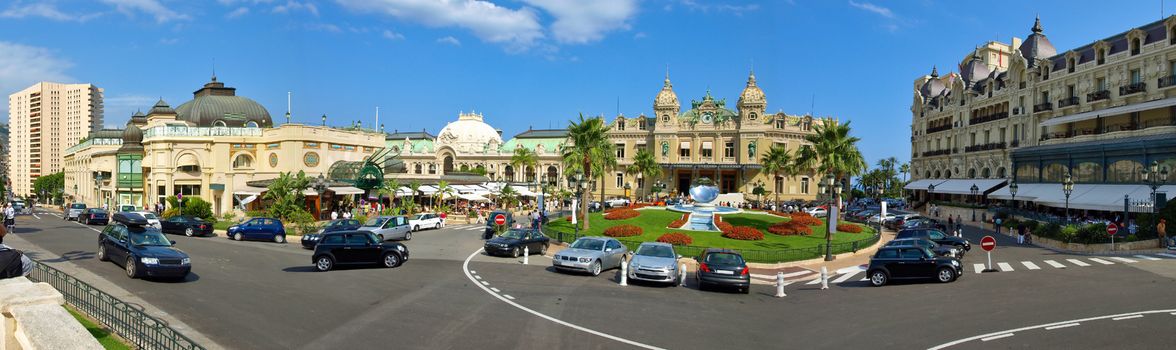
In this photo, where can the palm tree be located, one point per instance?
(415, 186)
(777, 161)
(443, 189)
(507, 196)
(389, 188)
(904, 169)
(645, 164)
(588, 149)
(832, 151)
(524, 159)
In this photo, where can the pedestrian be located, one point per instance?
(1021, 236)
(3, 232)
(998, 221)
(1162, 231)
(13, 263)
(950, 222)
(334, 215)
(9, 217)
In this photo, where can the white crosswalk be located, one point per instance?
(1004, 266)
(1078, 262)
(1055, 264)
(978, 267)
(1101, 261)
(1030, 265)
(1145, 257)
(1166, 255)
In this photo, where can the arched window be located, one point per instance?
(938, 174)
(621, 124)
(947, 174)
(985, 173)
(509, 173)
(1124, 171)
(243, 161)
(1088, 172)
(530, 173)
(1000, 173)
(971, 173)
(417, 169)
(927, 175)
(219, 123)
(1134, 46)
(448, 164)
(1027, 173)
(552, 174)
(251, 124)
(432, 169)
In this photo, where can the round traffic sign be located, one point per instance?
(500, 219)
(988, 243)
(1112, 229)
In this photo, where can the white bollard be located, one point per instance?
(624, 273)
(780, 285)
(526, 255)
(682, 273)
(824, 278)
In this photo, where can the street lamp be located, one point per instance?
(660, 187)
(1068, 188)
(1013, 191)
(759, 189)
(324, 120)
(627, 188)
(834, 190)
(975, 191)
(881, 190)
(1154, 178)
(576, 181)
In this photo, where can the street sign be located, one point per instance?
(180, 196)
(500, 219)
(988, 243)
(1112, 229)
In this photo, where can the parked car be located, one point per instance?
(818, 212)
(74, 210)
(337, 225)
(617, 202)
(919, 222)
(491, 228)
(722, 267)
(911, 263)
(513, 242)
(654, 262)
(259, 229)
(126, 208)
(425, 220)
(187, 225)
(152, 220)
(877, 218)
(939, 249)
(936, 236)
(356, 247)
(594, 207)
(142, 251)
(388, 227)
(591, 254)
(20, 207)
(92, 216)
(898, 220)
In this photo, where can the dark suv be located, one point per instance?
(356, 247)
(936, 236)
(911, 263)
(142, 250)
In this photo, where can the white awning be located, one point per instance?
(403, 192)
(428, 190)
(523, 191)
(922, 184)
(1107, 112)
(684, 144)
(1025, 192)
(473, 198)
(706, 145)
(346, 190)
(309, 192)
(964, 186)
(249, 191)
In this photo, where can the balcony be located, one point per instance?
(186, 131)
(935, 129)
(985, 147)
(1015, 143)
(1067, 102)
(1041, 107)
(1167, 81)
(937, 153)
(1098, 96)
(988, 118)
(1115, 129)
(1132, 88)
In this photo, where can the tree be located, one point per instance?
(778, 160)
(52, 185)
(523, 159)
(589, 151)
(904, 168)
(645, 164)
(507, 196)
(759, 191)
(193, 206)
(390, 188)
(287, 202)
(415, 187)
(832, 151)
(443, 189)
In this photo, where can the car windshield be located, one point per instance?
(376, 222)
(98, 211)
(150, 216)
(516, 234)
(589, 244)
(77, 206)
(421, 217)
(195, 218)
(658, 251)
(724, 259)
(149, 238)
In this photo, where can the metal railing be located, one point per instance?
(191, 131)
(125, 319)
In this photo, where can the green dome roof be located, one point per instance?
(215, 102)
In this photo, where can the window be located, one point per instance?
(752, 116)
(432, 169)
(887, 254)
(1102, 56)
(1136, 78)
(1070, 91)
(219, 124)
(973, 138)
(613, 245)
(332, 239)
(621, 124)
(1172, 68)
(779, 123)
(729, 150)
(357, 239)
(1134, 46)
(251, 124)
(641, 124)
(1045, 96)
(1002, 135)
(684, 150)
(243, 161)
(620, 180)
(912, 253)
(620, 150)
(665, 118)
(417, 169)
(706, 151)
(804, 185)
(1044, 73)
(1070, 66)
(187, 190)
(1100, 84)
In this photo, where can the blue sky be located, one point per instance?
(526, 63)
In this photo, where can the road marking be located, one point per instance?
(979, 267)
(484, 283)
(1050, 328)
(1126, 317)
(815, 281)
(35, 216)
(1004, 266)
(508, 296)
(1030, 265)
(1078, 262)
(1166, 255)
(495, 289)
(473, 272)
(478, 277)
(465, 267)
(1101, 261)
(1152, 258)
(1055, 264)
(846, 277)
(1126, 260)
(995, 337)
(1022, 329)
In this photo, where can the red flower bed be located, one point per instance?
(779, 213)
(623, 231)
(806, 219)
(724, 227)
(623, 213)
(678, 223)
(744, 233)
(851, 228)
(639, 205)
(790, 229)
(676, 239)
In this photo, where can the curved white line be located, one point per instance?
(465, 267)
(965, 340)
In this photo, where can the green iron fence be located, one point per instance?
(751, 255)
(125, 319)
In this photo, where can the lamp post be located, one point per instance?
(1154, 177)
(320, 186)
(661, 187)
(324, 120)
(759, 189)
(1013, 192)
(881, 190)
(975, 191)
(834, 190)
(627, 193)
(1067, 189)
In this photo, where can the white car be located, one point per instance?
(152, 220)
(617, 202)
(425, 220)
(874, 219)
(818, 212)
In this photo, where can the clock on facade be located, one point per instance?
(708, 117)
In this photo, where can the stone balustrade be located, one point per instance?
(33, 318)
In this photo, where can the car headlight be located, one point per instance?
(955, 262)
(584, 260)
(400, 248)
(186, 261)
(150, 261)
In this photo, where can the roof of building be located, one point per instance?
(1156, 31)
(132, 138)
(666, 97)
(215, 102)
(932, 87)
(1037, 46)
(975, 70)
(411, 135)
(107, 134)
(752, 94)
(543, 134)
(162, 107)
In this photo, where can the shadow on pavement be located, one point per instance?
(73, 255)
(191, 277)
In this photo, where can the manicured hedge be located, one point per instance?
(622, 214)
(805, 219)
(623, 231)
(790, 229)
(678, 223)
(851, 228)
(676, 239)
(724, 227)
(744, 233)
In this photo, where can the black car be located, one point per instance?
(491, 228)
(142, 251)
(356, 247)
(187, 225)
(936, 236)
(514, 241)
(94, 216)
(722, 267)
(911, 263)
(310, 240)
(941, 250)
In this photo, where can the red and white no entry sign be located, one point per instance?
(1112, 229)
(988, 243)
(500, 219)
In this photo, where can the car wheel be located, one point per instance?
(408, 236)
(747, 290)
(416, 228)
(102, 253)
(391, 260)
(279, 238)
(945, 275)
(878, 278)
(514, 253)
(595, 268)
(188, 232)
(132, 271)
(324, 263)
(238, 237)
(381, 237)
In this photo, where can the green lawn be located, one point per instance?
(654, 222)
(107, 339)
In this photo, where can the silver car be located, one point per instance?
(654, 262)
(72, 212)
(389, 227)
(591, 254)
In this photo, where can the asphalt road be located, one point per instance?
(260, 295)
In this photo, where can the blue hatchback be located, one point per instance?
(262, 229)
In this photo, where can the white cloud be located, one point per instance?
(516, 29)
(580, 22)
(152, 8)
(738, 10)
(240, 11)
(449, 40)
(640, 35)
(325, 27)
(879, 10)
(292, 6)
(234, 2)
(169, 41)
(23, 65)
(390, 35)
(44, 10)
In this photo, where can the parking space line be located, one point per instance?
(846, 277)
(473, 272)
(495, 289)
(1050, 328)
(508, 296)
(1030, 265)
(1055, 264)
(1078, 262)
(1166, 255)
(995, 337)
(1145, 257)
(1101, 261)
(1126, 317)
(1126, 260)
(478, 277)
(979, 267)
(484, 283)
(1004, 266)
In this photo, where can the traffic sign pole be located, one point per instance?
(1111, 230)
(988, 244)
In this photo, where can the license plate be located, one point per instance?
(725, 272)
